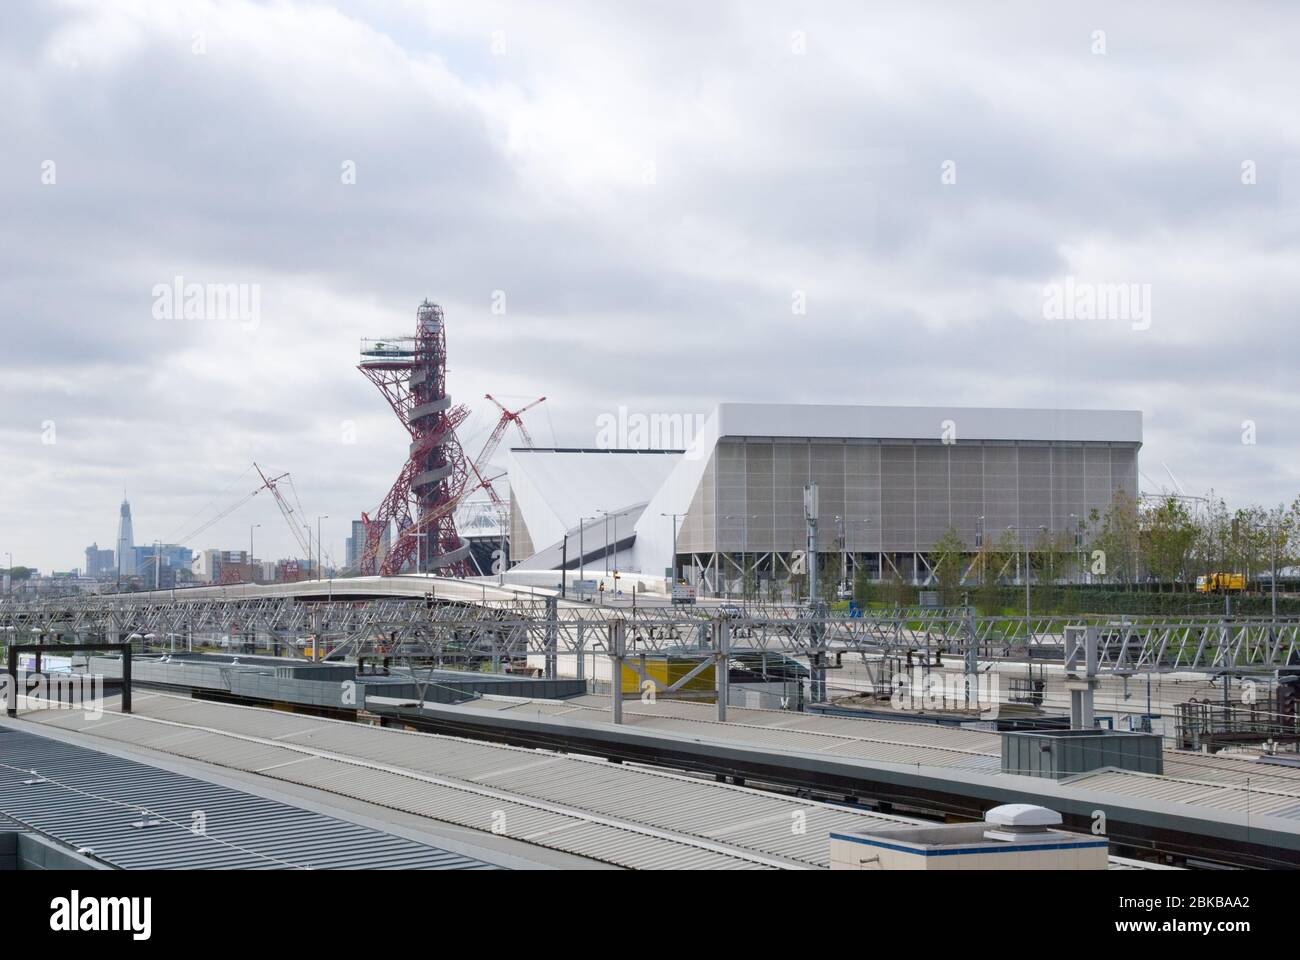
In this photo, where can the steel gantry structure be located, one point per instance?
(514, 628)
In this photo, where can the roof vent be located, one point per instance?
(1015, 821)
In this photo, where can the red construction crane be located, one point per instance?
(507, 417)
(494, 440)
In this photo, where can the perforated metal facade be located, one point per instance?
(898, 496)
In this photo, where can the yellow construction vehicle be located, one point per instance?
(1221, 583)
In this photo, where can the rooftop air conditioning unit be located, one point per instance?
(1015, 821)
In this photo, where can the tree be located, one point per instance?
(798, 583)
(1212, 548)
(1273, 538)
(1051, 555)
(1116, 538)
(895, 592)
(862, 587)
(1168, 537)
(948, 560)
(827, 586)
(1005, 555)
(1288, 534)
(1249, 545)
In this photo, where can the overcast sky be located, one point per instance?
(681, 203)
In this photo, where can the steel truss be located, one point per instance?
(513, 629)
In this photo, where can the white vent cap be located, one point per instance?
(1022, 816)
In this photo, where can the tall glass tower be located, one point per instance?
(125, 542)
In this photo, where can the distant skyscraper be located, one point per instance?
(164, 557)
(99, 563)
(355, 545)
(125, 542)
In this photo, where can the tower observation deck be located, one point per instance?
(411, 373)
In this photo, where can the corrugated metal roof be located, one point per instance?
(1229, 769)
(136, 816)
(1222, 789)
(891, 742)
(864, 728)
(618, 814)
(1229, 798)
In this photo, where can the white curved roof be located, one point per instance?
(554, 489)
(411, 585)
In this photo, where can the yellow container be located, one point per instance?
(667, 671)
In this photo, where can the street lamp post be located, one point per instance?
(1012, 528)
(503, 561)
(564, 566)
(251, 528)
(744, 549)
(844, 534)
(1272, 576)
(1080, 571)
(744, 557)
(605, 513)
(1272, 580)
(582, 549)
(1051, 554)
(419, 538)
(842, 528)
(320, 549)
(1026, 583)
(674, 566)
(844, 554)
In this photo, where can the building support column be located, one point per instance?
(722, 660)
(552, 628)
(617, 644)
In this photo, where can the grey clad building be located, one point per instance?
(99, 563)
(354, 547)
(891, 481)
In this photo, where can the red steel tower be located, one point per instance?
(411, 373)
